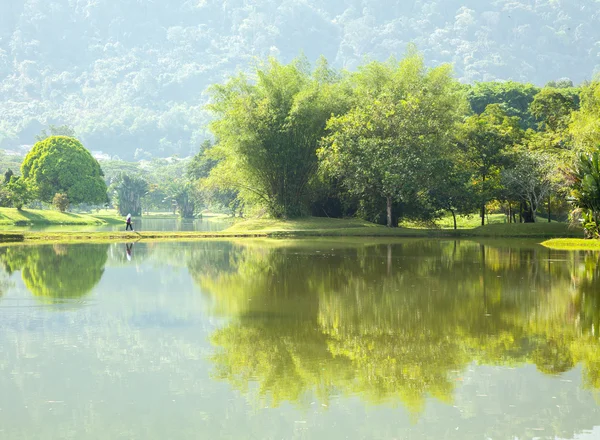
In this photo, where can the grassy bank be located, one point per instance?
(28, 217)
(337, 227)
(307, 227)
(572, 244)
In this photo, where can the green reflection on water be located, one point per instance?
(55, 273)
(398, 322)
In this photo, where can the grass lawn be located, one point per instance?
(25, 217)
(306, 227)
(313, 226)
(572, 244)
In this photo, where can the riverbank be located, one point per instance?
(306, 227)
(29, 217)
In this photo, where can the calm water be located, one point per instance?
(142, 224)
(417, 339)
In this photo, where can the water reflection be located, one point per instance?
(397, 322)
(55, 273)
(474, 340)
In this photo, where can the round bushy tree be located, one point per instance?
(60, 164)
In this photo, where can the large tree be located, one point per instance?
(402, 121)
(485, 140)
(585, 125)
(269, 130)
(60, 164)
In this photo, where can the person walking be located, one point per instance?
(129, 224)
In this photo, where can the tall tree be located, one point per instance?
(530, 180)
(585, 125)
(401, 121)
(485, 140)
(269, 131)
(129, 191)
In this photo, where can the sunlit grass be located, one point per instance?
(572, 244)
(12, 216)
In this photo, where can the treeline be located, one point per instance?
(396, 140)
(391, 141)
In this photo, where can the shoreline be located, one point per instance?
(551, 241)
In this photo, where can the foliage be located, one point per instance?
(60, 202)
(19, 193)
(57, 273)
(530, 180)
(61, 164)
(183, 195)
(585, 125)
(485, 141)
(129, 191)
(346, 319)
(401, 120)
(584, 178)
(121, 84)
(269, 131)
(513, 97)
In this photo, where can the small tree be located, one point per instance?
(60, 202)
(7, 175)
(530, 180)
(19, 193)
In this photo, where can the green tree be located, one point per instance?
(530, 180)
(269, 131)
(402, 119)
(513, 97)
(485, 140)
(585, 125)
(60, 202)
(552, 107)
(129, 191)
(61, 164)
(451, 190)
(182, 193)
(7, 175)
(19, 193)
(584, 178)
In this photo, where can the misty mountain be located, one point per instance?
(130, 76)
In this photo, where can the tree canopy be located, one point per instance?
(60, 164)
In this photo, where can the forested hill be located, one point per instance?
(129, 75)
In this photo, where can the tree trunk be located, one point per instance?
(453, 218)
(509, 212)
(483, 215)
(389, 212)
(549, 207)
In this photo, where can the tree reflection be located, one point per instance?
(56, 273)
(395, 322)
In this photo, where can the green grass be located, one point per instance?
(26, 217)
(462, 222)
(572, 244)
(312, 226)
(307, 227)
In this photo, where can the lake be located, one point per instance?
(299, 339)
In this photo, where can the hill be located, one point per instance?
(130, 75)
